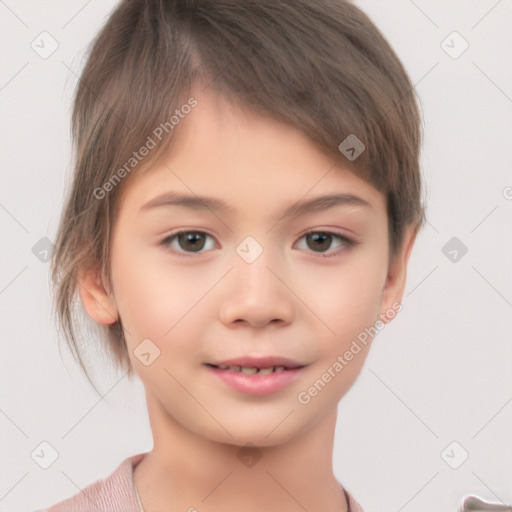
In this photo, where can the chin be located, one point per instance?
(263, 433)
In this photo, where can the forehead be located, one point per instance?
(247, 160)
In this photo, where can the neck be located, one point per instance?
(186, 471)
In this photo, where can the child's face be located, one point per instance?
(203, 300)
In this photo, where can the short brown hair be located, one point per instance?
(319, 65)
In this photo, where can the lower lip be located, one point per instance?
(255, 384)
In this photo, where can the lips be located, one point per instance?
(258, 376)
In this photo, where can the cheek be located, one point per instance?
(158, 300)
(347, 297)
(142, 296)
(348, 308)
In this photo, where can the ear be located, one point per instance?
(99, 304)
(394, 287)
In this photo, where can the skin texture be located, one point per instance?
(205, 306)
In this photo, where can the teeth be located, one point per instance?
(251, 371)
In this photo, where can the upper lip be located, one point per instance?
(259, 362)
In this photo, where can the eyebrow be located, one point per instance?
(201, 203)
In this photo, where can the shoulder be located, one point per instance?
(353, 505)
(114, 493)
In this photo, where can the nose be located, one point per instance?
(257, 294)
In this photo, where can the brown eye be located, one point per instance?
(187, 241)
(193, 241)
(321, 241)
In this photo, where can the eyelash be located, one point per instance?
(348, 242)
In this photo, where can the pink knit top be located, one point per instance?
(116, 493)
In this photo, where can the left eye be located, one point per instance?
(194, 241)
(324, 238)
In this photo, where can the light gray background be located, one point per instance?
(440, 372)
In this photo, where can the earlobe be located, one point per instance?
(98, 303)
(394, 287)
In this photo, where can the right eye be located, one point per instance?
(181, 241)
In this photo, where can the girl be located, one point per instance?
(245, 200)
